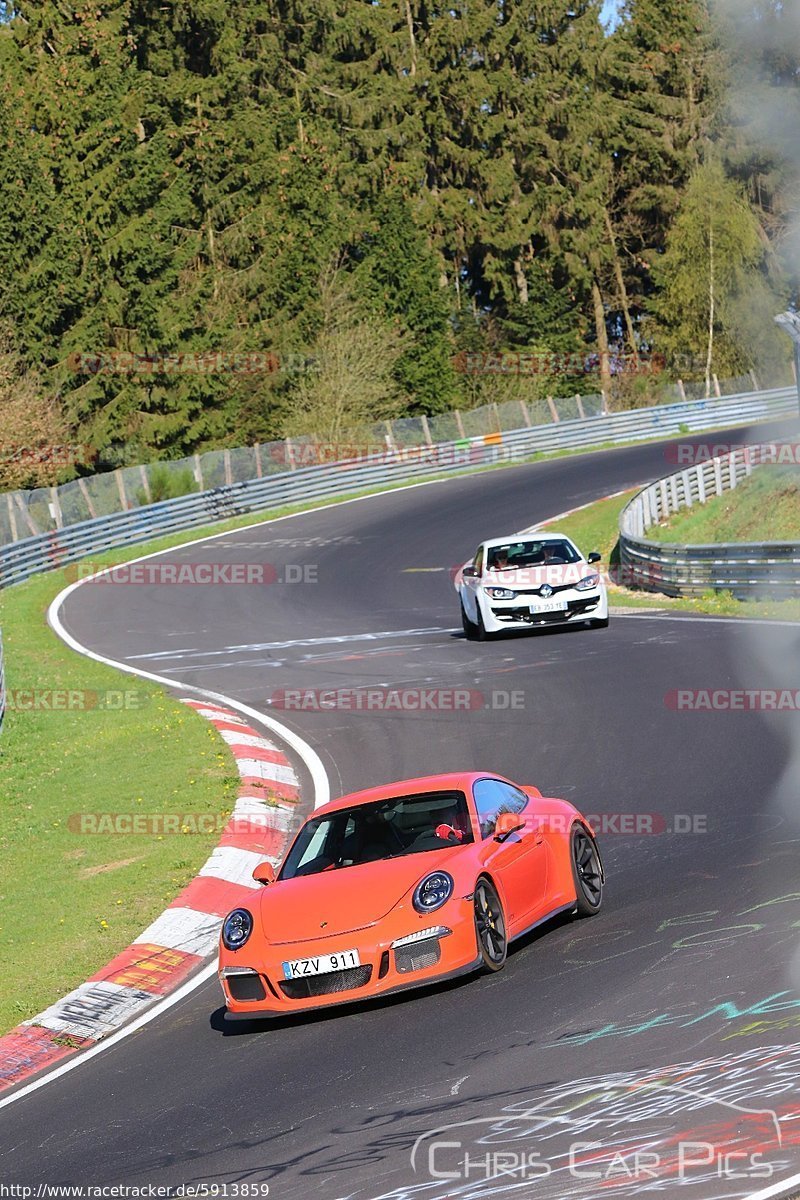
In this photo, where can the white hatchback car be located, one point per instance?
(527, 581)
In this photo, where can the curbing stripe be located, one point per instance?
(159, 961)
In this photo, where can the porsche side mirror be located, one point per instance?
(264, 873)
(469, 573)
(506, 824)
(594, 557)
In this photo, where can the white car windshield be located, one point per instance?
(513, 556)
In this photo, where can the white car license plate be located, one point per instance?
(550, 606)
(322, 964)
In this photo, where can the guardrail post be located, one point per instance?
(686, 479)
(123, 499)
(701, 485)
(682, 390)
(718, 476)
(12, 519)
(87, 498)
(581, 410)
(526, 416)
(55, 508)
(148, 495)
(226, 454)
(553, 410)
(259, 470)
(29, 521)
(198, 472)
(733, 469)
(664, 500)
(426, 429)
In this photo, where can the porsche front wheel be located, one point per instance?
(587, 871)
(490, 926)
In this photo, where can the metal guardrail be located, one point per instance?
(749, 570)
(28, 512)
(44, 552)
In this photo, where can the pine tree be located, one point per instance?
(710, 275)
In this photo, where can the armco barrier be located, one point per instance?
(21, 559)
(747, 569)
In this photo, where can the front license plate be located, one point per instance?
(322, 964)
(549, 606)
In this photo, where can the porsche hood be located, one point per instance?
(310, 907)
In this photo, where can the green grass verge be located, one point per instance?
(71, 901)
(596, 528)
(763, 508)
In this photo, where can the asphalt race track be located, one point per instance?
(649, 1051)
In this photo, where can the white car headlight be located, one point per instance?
(501, 593)
(590, 581)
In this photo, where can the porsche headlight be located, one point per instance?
(590, 581)
(501, 593)
(236, 928)
(432, 892)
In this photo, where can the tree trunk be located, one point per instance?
(602, 340)
(411, 38)
(711, 306)
(622, 289)
(212, 248)
(522, 282)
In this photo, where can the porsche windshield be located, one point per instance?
(385, 829)
(511, 556)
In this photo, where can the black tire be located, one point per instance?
(587, 871)
(599, 623)
(490, 926)
(469, 627)
(482, 635)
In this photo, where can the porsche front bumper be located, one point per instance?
(254, 984)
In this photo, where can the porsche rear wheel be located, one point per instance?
(469, 627)
(490, 926)
(587, 871)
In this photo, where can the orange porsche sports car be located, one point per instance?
(404, 885)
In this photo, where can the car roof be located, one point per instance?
(456, 781)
